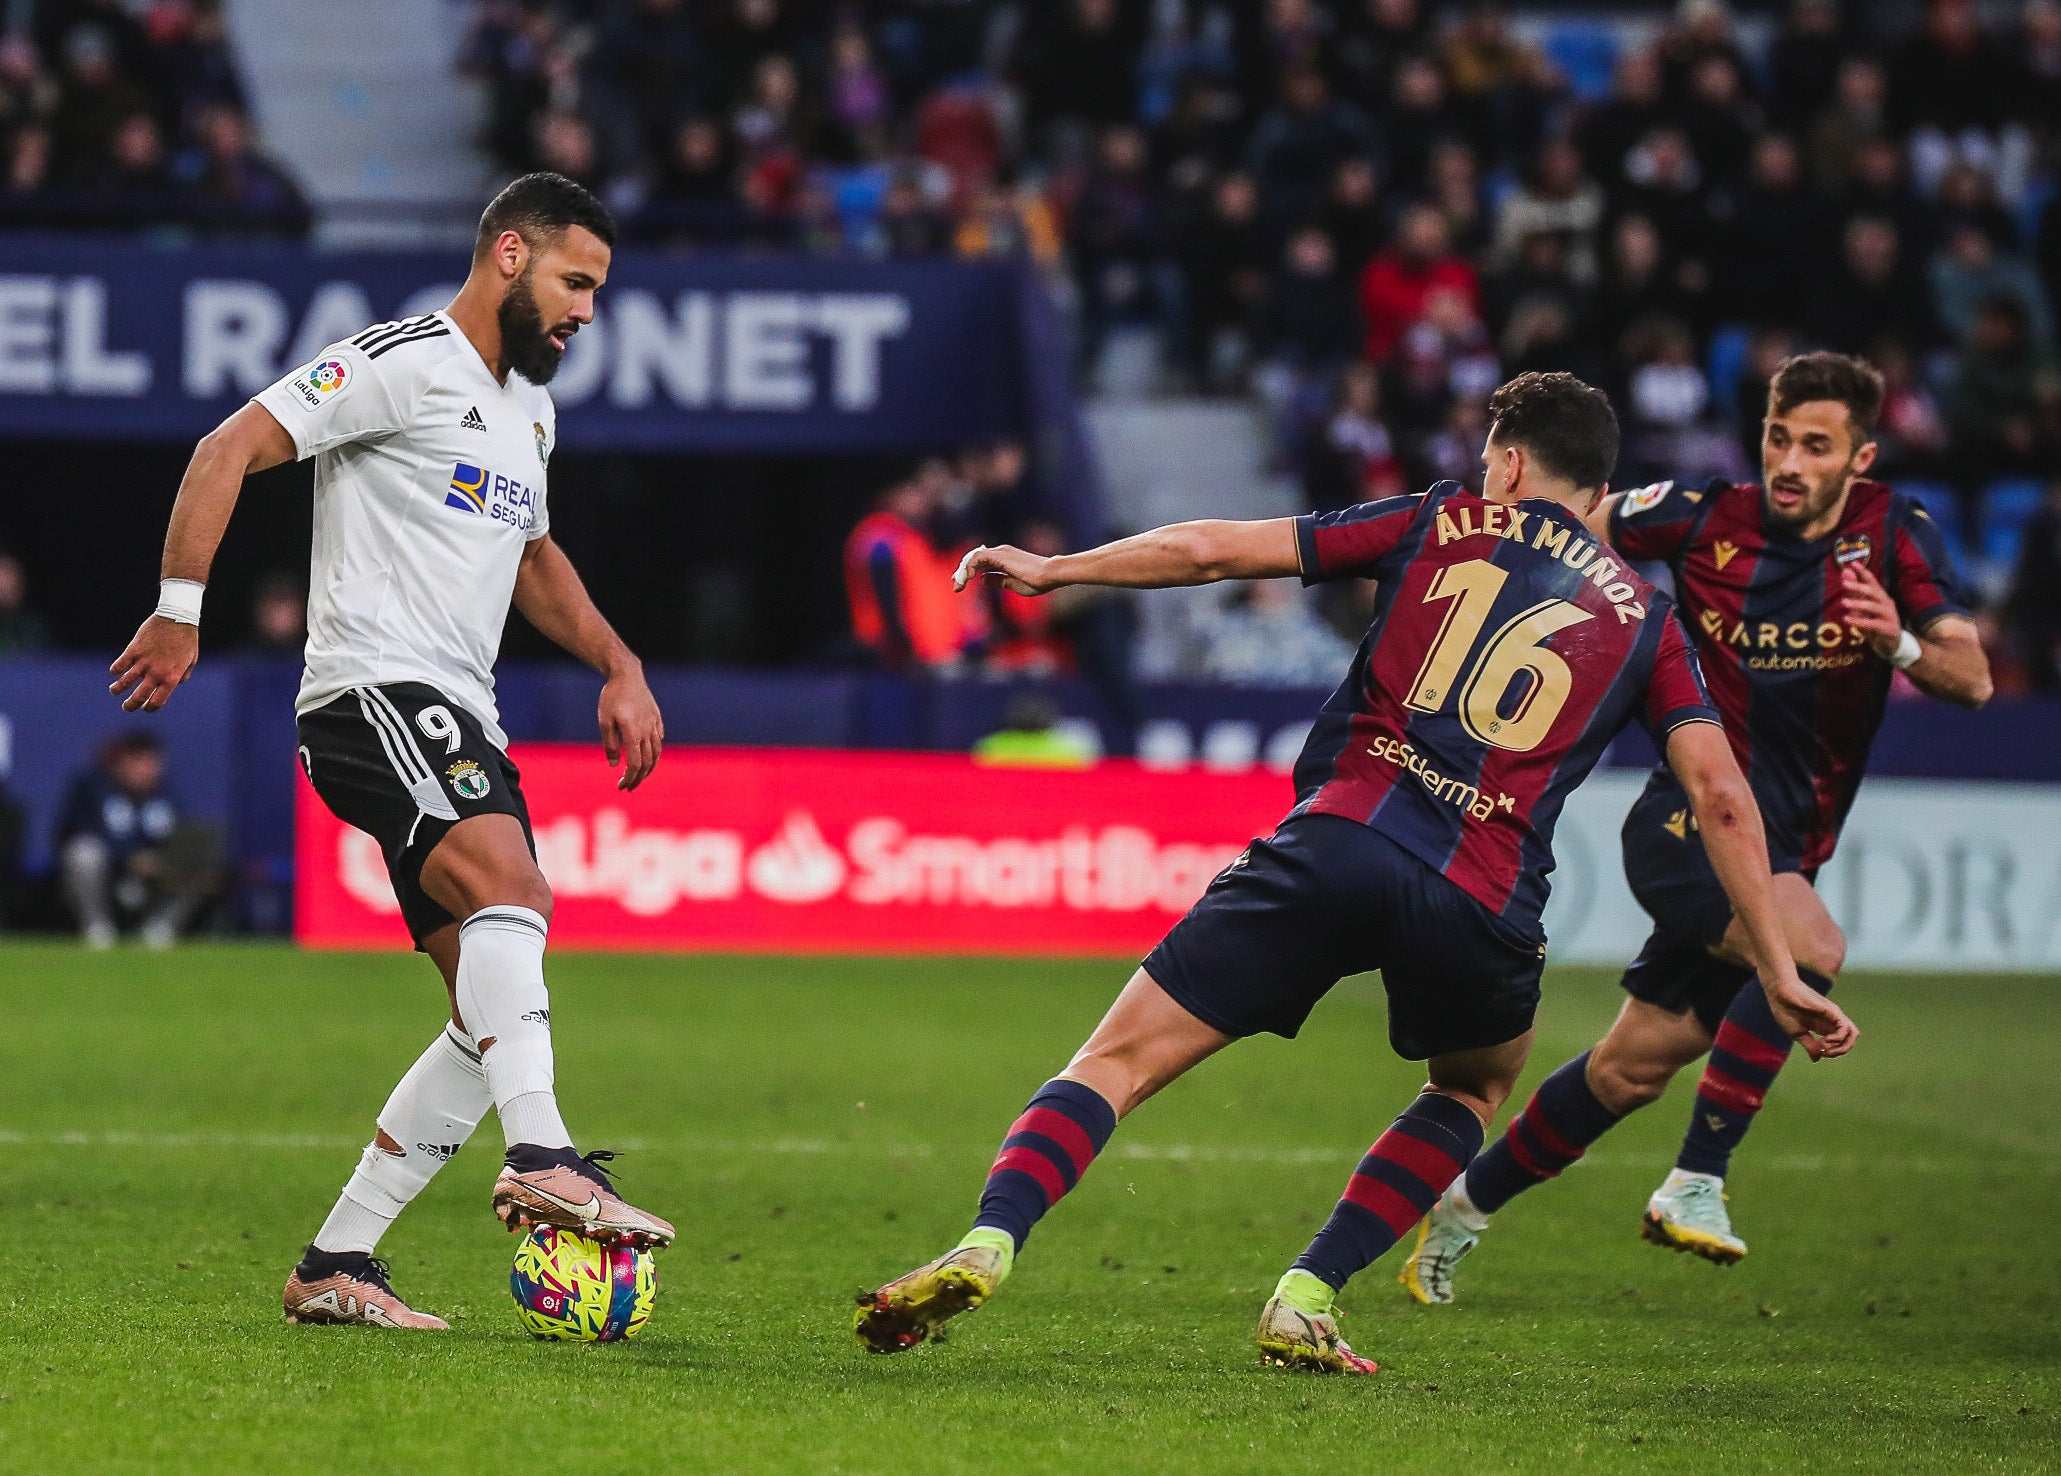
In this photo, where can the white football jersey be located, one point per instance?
(429, 482)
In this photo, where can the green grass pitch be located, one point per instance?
(173, 1127)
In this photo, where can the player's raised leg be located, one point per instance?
(482, 871)
(1400, 1179)
(1750, 1047)
(1145, 1041)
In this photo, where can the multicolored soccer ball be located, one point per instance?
(570, 1289)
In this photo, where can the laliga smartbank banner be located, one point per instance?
(824, 851)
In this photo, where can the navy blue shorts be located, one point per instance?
(1672, 878)
(1326, 897)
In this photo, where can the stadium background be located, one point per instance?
(1041, 269)
(1046, 272)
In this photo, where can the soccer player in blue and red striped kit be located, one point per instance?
(1506, 650)
(1804, 598)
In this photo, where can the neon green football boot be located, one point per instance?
(1298, 1328)
(914, 1308)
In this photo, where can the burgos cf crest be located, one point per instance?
(468, 489)
(468, 780)
(543, 446)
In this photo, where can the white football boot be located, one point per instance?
(1687, 1213)
(1442, 1238)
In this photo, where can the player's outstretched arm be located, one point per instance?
(551, 596)
(1950, 663)
(1733, 838)
(166, 647)
(1178, 554)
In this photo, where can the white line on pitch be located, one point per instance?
(1800, 1163)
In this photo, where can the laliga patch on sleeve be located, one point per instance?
(320, 383)
(1644, 498)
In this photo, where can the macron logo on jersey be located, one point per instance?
(488, 494)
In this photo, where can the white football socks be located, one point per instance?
(502, 997)
(430, 1114)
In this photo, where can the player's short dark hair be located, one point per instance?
(540, 207)
(1568, 425)
(1853, 382)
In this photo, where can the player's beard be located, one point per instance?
(526, 345)
(1818, 497)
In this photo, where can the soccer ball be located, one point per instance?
(570, 1289)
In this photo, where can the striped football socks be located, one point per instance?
(1395, 1185)
(1045, 1154)
(1745, 1059)
(1555, 1128)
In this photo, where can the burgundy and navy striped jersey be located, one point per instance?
(1800, 691)
(1507, 649)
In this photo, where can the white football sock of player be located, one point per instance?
(430, 1115)
(506, 1007)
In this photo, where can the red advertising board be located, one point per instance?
(803, 850)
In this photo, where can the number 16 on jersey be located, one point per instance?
(1516, 649)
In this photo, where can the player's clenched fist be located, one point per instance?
(1869, 609)
(1020, 571)
(161, 655)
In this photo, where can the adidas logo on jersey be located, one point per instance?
(472, 420)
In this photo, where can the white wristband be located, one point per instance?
(1907, 652)
(179, 600)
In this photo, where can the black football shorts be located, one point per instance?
(404, 763)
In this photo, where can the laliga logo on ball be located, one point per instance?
(569, 1289)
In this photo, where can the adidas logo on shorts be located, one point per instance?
(472, 420)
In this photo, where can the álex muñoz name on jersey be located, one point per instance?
(1801, 693)
(1553, 644)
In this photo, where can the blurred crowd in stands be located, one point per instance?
(1367, 213)
(898, 568)
(129, 860)
(1364, 214)
(119, 116)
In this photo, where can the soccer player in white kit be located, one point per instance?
(430, 438)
